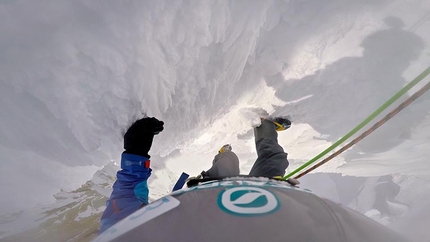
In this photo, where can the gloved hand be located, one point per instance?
(199, 176)
(138, 138)
(202, 175)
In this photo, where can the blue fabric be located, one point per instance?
(181, 181)
(130, 191)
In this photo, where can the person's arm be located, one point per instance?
(212, 171)
(130, 191)
(209, 173)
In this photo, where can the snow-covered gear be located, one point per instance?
(138, 138)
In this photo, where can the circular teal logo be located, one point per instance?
(248, 201)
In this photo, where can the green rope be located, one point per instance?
(370, 130)
(366, 121)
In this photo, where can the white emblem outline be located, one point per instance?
(224, 201)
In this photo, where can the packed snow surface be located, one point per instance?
(75, 74)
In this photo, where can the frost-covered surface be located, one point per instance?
(75, 74)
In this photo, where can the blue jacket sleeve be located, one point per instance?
(130, 191)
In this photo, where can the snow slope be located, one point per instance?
(75, 74)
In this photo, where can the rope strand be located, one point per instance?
(370, 130)
(372, 116)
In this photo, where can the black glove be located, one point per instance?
(138, 138)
